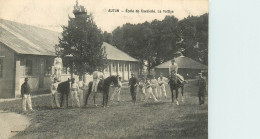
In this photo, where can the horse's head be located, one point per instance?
(114, 80)
(111, 79)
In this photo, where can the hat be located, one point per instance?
(26, 79)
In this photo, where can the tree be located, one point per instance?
(193, 31)
(82, 40)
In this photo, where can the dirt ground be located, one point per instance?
(161, 119)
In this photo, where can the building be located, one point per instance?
(28, 51)
(188, 67)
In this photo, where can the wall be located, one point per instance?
(7, 81)
(38, 79)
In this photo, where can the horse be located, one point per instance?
(103, 87)
(175, 86)
(64, 90)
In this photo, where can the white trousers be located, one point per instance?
(142, 92)
(154, 89)
(75, 98)
(27, 99)
(116, 93)
(95, 85)
(55, 100)
(162, 91)
(150, 94)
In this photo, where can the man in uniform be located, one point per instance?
(161, 85)
(173, 70)
(133, 84)
(202, 88)
(26, 94)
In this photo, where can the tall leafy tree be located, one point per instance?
(82, 41)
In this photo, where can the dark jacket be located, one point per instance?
(25, 89)
(64, 87)
(202, 85)
(132, 81)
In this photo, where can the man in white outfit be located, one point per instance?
(154, 85)
(161, 85)
(149, 91)
(117, 90)
(141, 89)
(54, 94)
(58, 67)
(74, 93)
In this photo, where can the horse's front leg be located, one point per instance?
(86, 101)
(94, 98)
(182, 88)
(172, 96)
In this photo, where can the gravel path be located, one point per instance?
(11, 123)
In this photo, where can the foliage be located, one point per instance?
(156, 42)
(82, 40)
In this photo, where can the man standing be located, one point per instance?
(133, 84)
(202, 88)
(74, 93)
(117, 90)
(154, 85)
(95, 80)
(97, 76)
(161, 83)
(54, 94)
(26, 95)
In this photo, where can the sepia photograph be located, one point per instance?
(104, 69)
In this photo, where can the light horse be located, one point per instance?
(175, 86)
(103, 87)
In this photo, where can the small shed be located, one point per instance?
(188, 67)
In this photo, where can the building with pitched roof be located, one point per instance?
(28, 51)
(188, 67)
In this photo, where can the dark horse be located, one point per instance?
(175, 86)
(103, 87)
(64, 90)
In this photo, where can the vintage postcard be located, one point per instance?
(104, 69)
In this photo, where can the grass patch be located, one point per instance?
(121, 120)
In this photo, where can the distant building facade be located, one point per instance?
(188, 67)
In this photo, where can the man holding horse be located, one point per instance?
(97, 76)
(133, 84)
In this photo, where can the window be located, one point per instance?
(1, 68)
(28, 67)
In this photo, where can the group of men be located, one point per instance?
(148, 88)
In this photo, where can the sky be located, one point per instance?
(52, 14)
